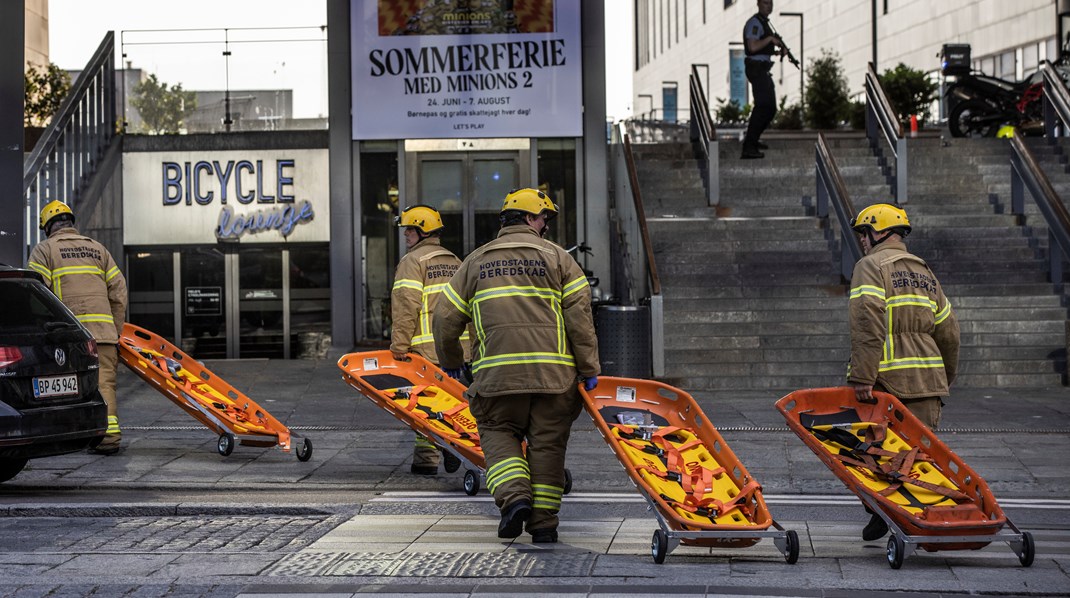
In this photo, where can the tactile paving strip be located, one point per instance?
(438, 564)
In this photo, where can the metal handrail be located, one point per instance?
(66, 156)
(881, 114)
(704, 135)
(1026, 174)
(644, 234)
(1056, 100)
(831, 189)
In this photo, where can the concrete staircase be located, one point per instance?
(753, 296)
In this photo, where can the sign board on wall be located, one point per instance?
(430, 69)
(246, 196)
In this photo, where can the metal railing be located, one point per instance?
(643, 270)
(831, 190)
(881, 121)
(1026, 175)
(704, 136)
(1056, 101)
(66, 157)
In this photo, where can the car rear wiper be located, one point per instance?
(59, 325)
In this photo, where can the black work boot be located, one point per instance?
(543, 536)
(513, 518)
(875, 529)
(751, 153)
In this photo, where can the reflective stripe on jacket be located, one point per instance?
(531, 306)
(82, 273)
(904, 333)
(418, 282)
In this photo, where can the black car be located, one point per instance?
(49, 402)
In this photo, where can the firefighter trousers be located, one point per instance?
(545, 421)
(109, 362)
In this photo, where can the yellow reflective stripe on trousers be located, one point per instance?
(96, 318)
(505, 471)
(546, 496)
(455, 299)
(423, 442)
(113, 424)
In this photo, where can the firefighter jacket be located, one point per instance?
(82, 273)
(531, 306)
(418, 282)
(904, 334)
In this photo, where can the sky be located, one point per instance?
(147, 32)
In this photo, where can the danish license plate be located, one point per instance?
(55, 386)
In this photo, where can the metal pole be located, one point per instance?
(802, 56)
(873, 24)
(227, 121)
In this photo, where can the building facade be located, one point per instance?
(1007, 39)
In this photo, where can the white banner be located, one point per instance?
(246, 196)
(426, 69)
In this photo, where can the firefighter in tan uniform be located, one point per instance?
(531, 306)
(82, 273)
(904, 335)
(418, 281)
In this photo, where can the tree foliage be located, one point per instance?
(46, 87)
(788, 116)
(826, 94)
(910, 91)
(163, 109)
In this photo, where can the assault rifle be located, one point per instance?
(785, 52)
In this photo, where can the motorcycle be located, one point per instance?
(981, 104)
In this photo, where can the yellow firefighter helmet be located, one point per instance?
(422, 217)
(529, 200)
(881, 217)
(53, 209)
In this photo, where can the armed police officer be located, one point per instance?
(904, 334)
(531, 305)
(760, 44)
(418, 282)
(82, 273)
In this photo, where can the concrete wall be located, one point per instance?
(911, 32)
(36, 41)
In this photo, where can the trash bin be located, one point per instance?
(623, 340)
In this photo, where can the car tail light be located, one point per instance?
(9, 355)
(91, 348)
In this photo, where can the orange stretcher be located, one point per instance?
(424, 398)
(700, 492)
(928, 496)
(207, 397)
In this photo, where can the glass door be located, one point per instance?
(468, 189)
(260, 302)
(204, 298)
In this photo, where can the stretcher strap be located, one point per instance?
(713, 507)
(896, 471)
(413, 406)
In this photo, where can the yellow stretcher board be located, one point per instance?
(236, 418)
(701, 492)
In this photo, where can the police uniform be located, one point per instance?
(531, 305)
(758, 66)
(904, 334)
(83, 275)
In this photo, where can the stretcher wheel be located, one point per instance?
(471, 483)
(568, 482)
(304, 450)
(225, 444)
(896, 551)
(659, 546)
(450, 462)
(1028, 549)
(792, 541)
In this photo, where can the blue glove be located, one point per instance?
(590, 383)
(455, 373)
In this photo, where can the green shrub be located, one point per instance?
(788, 116)
(729, 112)
(856, 115)
(45, 87)
(826, 94)
(910, 91)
